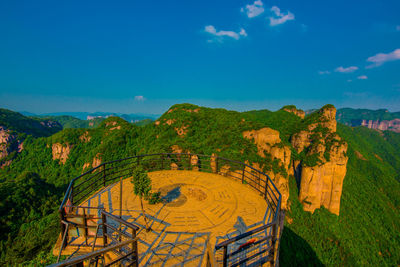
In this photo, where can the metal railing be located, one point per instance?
(97, 256)
(83, 186)
(119, 237)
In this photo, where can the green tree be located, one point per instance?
(142, 187)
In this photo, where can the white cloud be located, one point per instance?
(323, 72)
(254, 10)
(381, 58)
(139, 98)
(398, 27)
(346, 70)
(221, 34)
(349, 81)
(279, 18)
(362, 77)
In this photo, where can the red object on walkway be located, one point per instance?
(248, 243)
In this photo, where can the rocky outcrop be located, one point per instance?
(86, 165)
(298, 112)
(268, 142)
(60, 152)
(181, 131)
(174, 166)
(213, 163)
(321, 185)
(359, 155)
(9, 143)
(194, 161)
(51, 124)
(96, 160)
(391, 125)
(320, 174)
(176, 149)
(264, 138)
(169, 122)
(114, 125)
(85, 137)
(328, 117)
(6, 138)
(301, 140)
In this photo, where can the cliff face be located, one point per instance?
(392, 125)
(298, 112)
(380, 119)
(8, 143)
(269, 143)
(320, 175)
(60, 152)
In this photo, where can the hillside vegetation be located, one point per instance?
(72, 122)
(367, 231)
(31, 126)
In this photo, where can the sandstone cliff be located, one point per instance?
(298, 112)
(269, 143)
(392, 125)
(9, 143)
(60, 152)
(321, 172)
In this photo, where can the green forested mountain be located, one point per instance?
(367, 231)
(72, 122)
(32, 126)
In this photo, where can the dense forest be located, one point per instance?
(367, 231)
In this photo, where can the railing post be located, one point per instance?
(216, 165)
(103, 219)
(273, 242)
(104, 175)
(244, 167)
(281, 222)
(71, 195)
(189, 165)
(120, 197)
(135, 248)
(62, 218)
(162, 161)
(266, 188)
(225, 259)
(86, 231)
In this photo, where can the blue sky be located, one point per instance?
(144, 56)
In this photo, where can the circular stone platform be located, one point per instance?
(197, 207)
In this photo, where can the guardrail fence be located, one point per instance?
(254, 247)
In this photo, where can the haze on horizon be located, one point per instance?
(144, 57)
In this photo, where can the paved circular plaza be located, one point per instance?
(196, 208)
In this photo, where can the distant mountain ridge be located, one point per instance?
(132, 117)
(380, 119)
